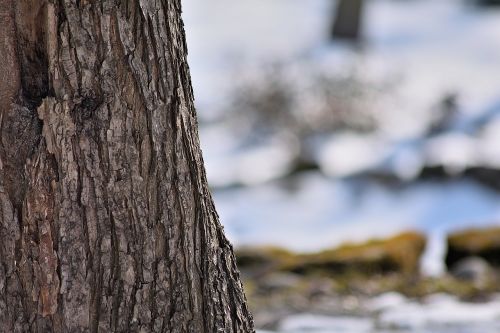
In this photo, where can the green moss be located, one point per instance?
(484, 243)
(475, 240)
(263, 259)
(397, 254)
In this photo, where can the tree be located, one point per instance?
(348, 19)
(106, 220)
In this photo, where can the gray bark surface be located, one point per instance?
(106, 220)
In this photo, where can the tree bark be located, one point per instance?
(106, 220)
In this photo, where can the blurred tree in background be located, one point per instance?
(348, 19)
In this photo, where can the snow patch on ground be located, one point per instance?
(441, 310)
(392, 312)
(322, 324)
(313, 212)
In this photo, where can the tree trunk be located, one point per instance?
(106, 220)
(348, 19)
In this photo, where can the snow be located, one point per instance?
(457, 151)
(489, 138)
(323, 324)
(392, 312)
(313, 212)
(385, 301)
(420, 51)
(230, 165)
(406, 159)
(454, 52)
(226, 38)
(348, 154)
(441, 310)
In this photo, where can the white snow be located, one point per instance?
(392, 312)
(313, 212)
(441, 310)
(347, 154)
(385, 301)
(323, 324)
(255, 165)
(226, 38)
(421, 50)
(453, 52)
(457, 151)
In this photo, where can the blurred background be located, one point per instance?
(353, 150)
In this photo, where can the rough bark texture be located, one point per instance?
(106, 220)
